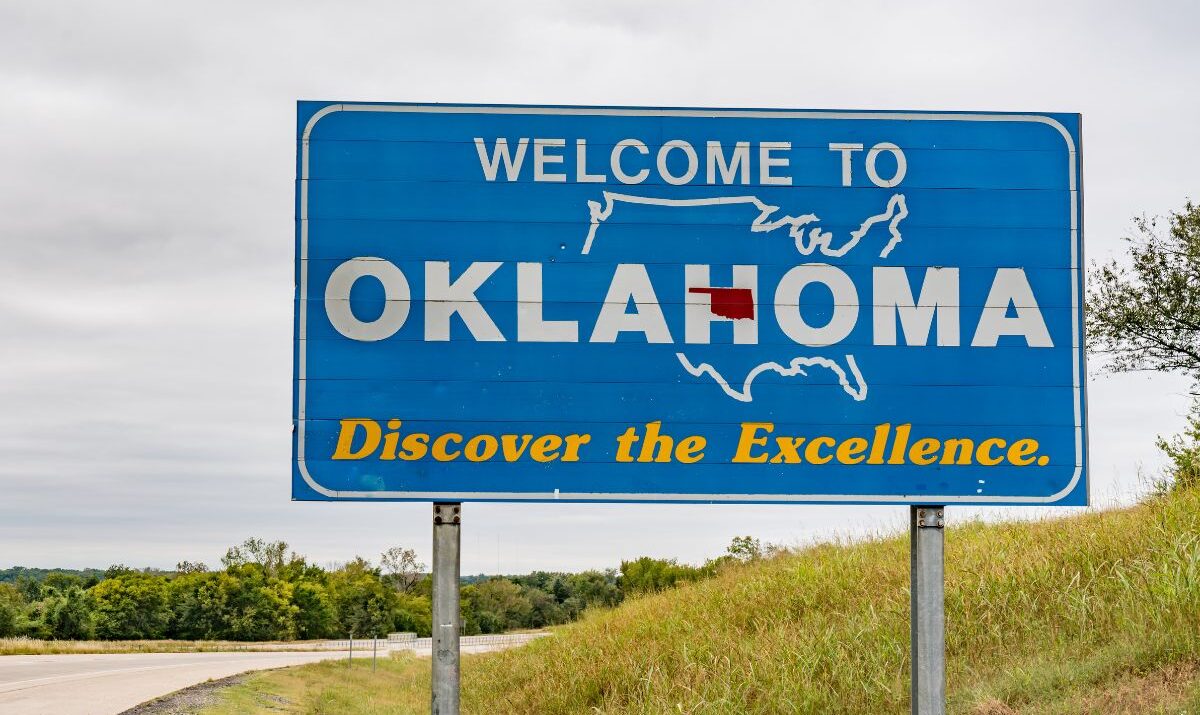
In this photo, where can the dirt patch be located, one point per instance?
(993, 707)
(189, 700)
(1133, 695)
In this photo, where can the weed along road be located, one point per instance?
(111, 683)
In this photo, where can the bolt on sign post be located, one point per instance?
(601, 304)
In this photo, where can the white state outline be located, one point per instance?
(896, 211)
(795, 367)
(1076, 357)
(816, 237)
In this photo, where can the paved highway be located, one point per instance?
(109, 684)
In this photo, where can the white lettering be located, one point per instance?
(893, 298)
(901, 165)
(581, 174)
(443, 299)
(692, 163)
(630, 282)
(740, 161)
(396, 295)
(541, 158)
(1011, 287)
(787, 304)
(531, 328)
(847, 150)
(512, 165)
(766, 161)
(618, 172)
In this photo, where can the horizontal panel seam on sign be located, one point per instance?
(735, 193)
(781, 114)
(658, 224)
(801, 469)
(679, 425)
(584, 301)
(626, 188)
(585, 260)
(682, 381)
(583, 221)
(698, 144)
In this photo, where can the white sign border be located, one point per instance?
(1077, 358)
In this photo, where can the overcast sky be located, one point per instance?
(147, 154)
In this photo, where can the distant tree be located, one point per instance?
(31, 589)
(745, 548)
(363, 604)
(68, 615)
(315, 617)
(544, 610)
(1147, 316)
(595, 588)
(748, 548)
(186, 567)
(270, 555)
(11, 603)
(60, 582)
(118, 570)
(413, 614)
(8, 620)
(1183, 453)
(401, 568)
(199, 606)
(500, 605)
(648, 575)
(131, 606)
(257, 607)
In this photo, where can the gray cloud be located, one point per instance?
(146, 168)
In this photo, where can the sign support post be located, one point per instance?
(446, 617)
(927, 601)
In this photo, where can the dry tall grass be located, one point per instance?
(35, 646)
(1038, 616)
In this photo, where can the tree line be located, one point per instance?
(1143, 315)
(264, 592)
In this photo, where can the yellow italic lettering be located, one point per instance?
(372, 433)
(690, 449)
(439, 447)
(416, 446)
(748, 440)
(545, 448)
(573, 443)
(879, 443)
(1022, 452)
(984, 454)
(812, 453)
(851, 451)
(924, 451)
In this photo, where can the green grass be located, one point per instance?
(1094, 613)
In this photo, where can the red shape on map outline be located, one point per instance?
(732, 303)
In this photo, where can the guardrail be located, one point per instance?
(491, 642)
(358, 644)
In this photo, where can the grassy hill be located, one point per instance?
(1097, 613)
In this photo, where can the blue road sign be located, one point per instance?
(638, 304)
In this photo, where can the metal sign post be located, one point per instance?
(927, 610)
(446, 617)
